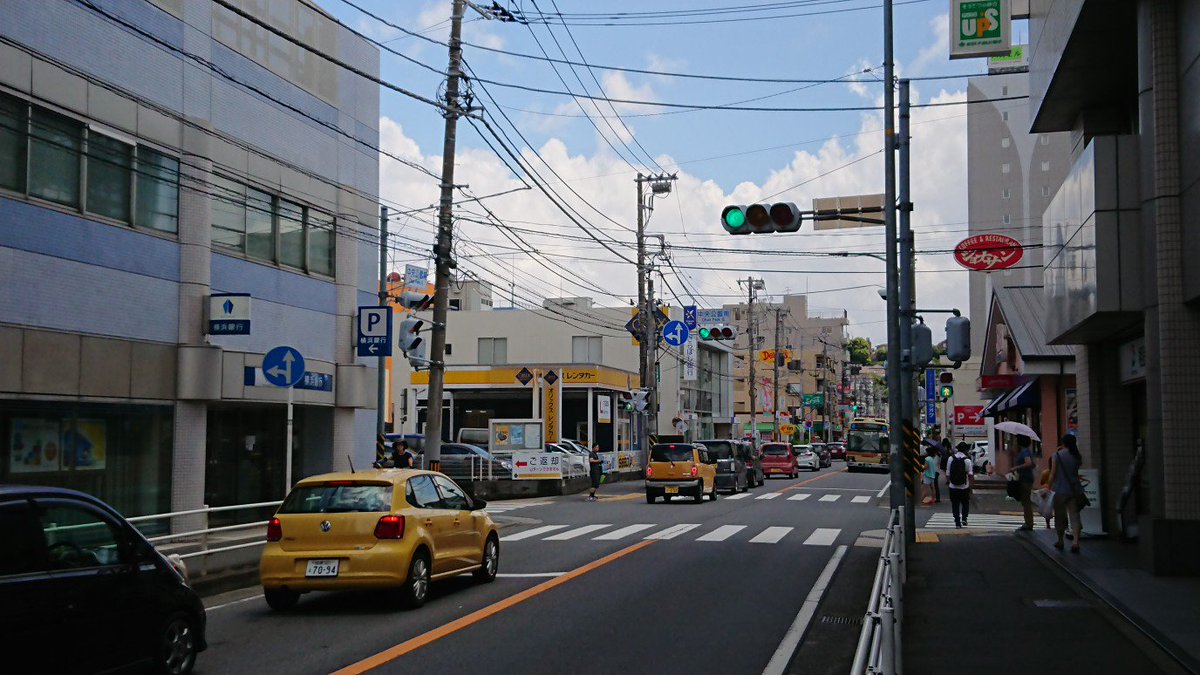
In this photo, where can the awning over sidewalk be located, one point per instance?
(994, 407)
(1025, 396)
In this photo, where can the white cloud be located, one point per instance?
(938, 50)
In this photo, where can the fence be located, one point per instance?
(200, 536)
(879, 647)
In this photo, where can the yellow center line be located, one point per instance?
(442, 631)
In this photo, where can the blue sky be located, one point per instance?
(721, 155)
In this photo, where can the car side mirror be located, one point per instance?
(478, 504)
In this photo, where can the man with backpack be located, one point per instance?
(960, 477)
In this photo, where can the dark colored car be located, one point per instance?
(82, 591)
(822, 450)
(752, 456)
(731, 465)
(837, 450)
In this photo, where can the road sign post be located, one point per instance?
(284, 367)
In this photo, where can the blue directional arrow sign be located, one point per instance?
(675, 333)
(689, 317)
(374, 331)
(283, 366)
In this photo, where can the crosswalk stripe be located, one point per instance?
(822, 536)
(769, 495)
(674, 531)
(527, 534)
(800, 497)
(623, 532)
(722, 533)
(771, 535)
(830, 498)
(577, 532)
(983, 521)
(740, 495)
(861, 499)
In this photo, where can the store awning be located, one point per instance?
(994, 407)
(1025, 396)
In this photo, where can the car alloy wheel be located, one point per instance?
(178, 647)
(491, 561)
(416, 587)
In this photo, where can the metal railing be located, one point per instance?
(200, 536)
(879, 647)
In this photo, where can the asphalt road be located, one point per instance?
(593, 587)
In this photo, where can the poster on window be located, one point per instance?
(603, 410)
(84, 445)
(34, 446)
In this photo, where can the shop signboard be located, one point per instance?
(979, 28)
(1090, 519)
(506, 436)
(603, 409)
(988, 252)
(968, 420)
(536, 465)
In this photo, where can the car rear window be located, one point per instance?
(671, 453)
(775, 450)
(802, 449)
(718, 449)
(339, 498)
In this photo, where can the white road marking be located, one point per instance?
(783, 654)
(531, 576)
(673, 531)
(771, 535)
(830, 498)
(882, 491)
(860, 499)
(504, 508)
(623, 532)
(982, 521)
(822, 536)
(769, 495)
(527, 534)
(577, 532)
(233, 602)
(722, 533)
(740, 495)
(799, 497)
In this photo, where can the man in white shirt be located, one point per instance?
(960, 477)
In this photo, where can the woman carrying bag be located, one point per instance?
(1068, 491)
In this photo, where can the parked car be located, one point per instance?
(807, 458)
(752, 457)
(779, 459)
(386, 529)
(731, 465)
(463, 461)
(572, 462)
(83, 591)
(680, 469)
(981, 457)
(823, 455)
(837, 450)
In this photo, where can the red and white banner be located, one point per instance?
(988, 252)
(968, 419)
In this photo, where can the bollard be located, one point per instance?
(887, 649)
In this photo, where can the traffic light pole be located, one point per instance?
(442, 261)
(650, 341)
(775, 370)
(643, 346)
(908, 301)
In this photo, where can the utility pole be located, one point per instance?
(381, 393)
(779, 311)
(825, 388)
(443, 263)
(648, 340)
(908, 300)
(752, 285)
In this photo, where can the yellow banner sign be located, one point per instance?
(550, 410)
(787, 429)
(768, 355)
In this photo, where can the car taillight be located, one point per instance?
(390, 527)
(649, 472)
(695, 470)
(274, 530)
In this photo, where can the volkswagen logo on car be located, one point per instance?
(326, 526)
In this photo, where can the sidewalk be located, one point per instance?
(992, 602)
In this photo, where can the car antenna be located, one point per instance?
(351, 460)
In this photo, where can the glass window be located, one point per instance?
(1005, 142)
(78, 537)
(109, 176)
(452, 496)
(493, 350)
(157, 191)
(339, 498)
(320, 242)
(1005, 168)
(228, 213)
(1006, 194)
(1045, 166)
(12, 143)
(586, 349)
(260, 232)
(54, 157)
(423, 494)
(22, 550)
(671, 453)
(291, 234)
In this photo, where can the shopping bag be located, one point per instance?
(1043, 499)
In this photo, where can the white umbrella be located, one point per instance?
(1017, 429)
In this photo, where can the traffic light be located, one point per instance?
(626, 401)
(761, 218)
(922, 345)
(411, 342)
(958, 338)
(946, 391)
(640, 399)
(708, 333)
(415, 300)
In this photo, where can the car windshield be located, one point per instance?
(775, 450)
(718, 449)
(339, 498)
(671, 453)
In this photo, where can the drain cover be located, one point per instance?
(842, 620)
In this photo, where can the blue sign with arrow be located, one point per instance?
(675, 333)
(374, 331)
(283, 366)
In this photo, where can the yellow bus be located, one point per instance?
(867, 444)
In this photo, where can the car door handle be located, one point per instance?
(429, 521)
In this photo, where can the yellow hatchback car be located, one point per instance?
(680, 469)
(389, 529)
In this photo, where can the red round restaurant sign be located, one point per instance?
(988, 252)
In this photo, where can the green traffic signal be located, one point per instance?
(733, 218)
(946, 391)
(704, 333)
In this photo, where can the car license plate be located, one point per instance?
(672, 491)
(776, 470)
(322, 568)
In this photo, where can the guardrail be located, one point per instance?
(200, 536)
(879, 646)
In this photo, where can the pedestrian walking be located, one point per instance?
(944, 452)
(1068, 490)
(929, 476)
(960, 478)
(596, 468)
(1023, 467)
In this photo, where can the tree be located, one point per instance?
(880, 354)
(860, 350)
